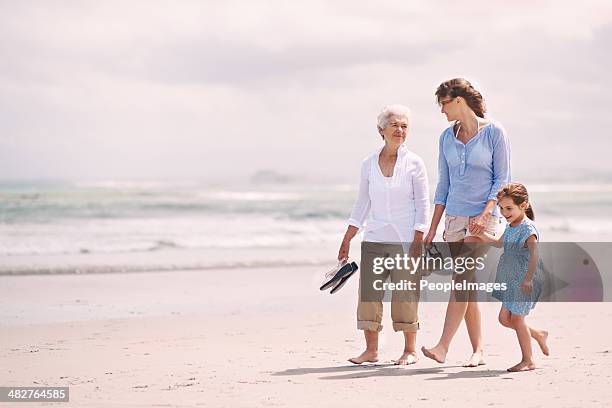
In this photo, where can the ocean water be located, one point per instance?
(128, 226)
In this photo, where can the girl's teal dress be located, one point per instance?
(512, 269)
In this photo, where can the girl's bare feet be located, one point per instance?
(365, 357)
(475, 360)
(522, 366)
(541, 339)
(409, 357)
(437, 353)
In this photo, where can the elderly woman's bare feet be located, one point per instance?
(522, 366)
(409, 357)
(475, 360)
(541, 338)
(365, 357)
(437, 353)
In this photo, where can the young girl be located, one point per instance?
(521, 269)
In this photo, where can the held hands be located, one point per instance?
(527, 286)
(478, 224)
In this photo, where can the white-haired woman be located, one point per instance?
(394, 197)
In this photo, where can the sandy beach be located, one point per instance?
(176, 178)
(268, 337)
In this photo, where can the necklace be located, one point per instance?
(459, 128)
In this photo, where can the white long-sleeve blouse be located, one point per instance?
(396, 205)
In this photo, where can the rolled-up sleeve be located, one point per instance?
(501, 163)
(420, 186)
(443, 175)
(362, 205)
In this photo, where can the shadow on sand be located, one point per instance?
(349, 372)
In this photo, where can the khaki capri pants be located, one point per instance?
(404, 304)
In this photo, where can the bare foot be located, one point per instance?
(409, 357)
(475, 360)
(436, 353)
(522, 366)
(542, 342)
(365, 357)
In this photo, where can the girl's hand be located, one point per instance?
(478, 224)
(343, 253)
(527, 286)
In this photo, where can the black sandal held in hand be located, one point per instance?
(338, 276)
(343, 280)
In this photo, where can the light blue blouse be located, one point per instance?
(470, 174)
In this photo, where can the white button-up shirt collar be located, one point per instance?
(390, 209)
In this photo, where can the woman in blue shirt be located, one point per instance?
(473, 164)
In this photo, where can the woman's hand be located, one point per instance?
(429, 237)
(416, 248)
(527, 286)
(343, 253)
(479, 223)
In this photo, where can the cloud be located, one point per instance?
(226, 88)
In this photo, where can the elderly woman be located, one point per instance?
(473, 164)
(393, 191)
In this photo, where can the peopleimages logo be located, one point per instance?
(413, 264)
(406, 285)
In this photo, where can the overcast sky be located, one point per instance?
(218, 90)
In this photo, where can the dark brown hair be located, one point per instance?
(461, 87)
(518, 193)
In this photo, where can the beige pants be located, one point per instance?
(404, 305)
(456, 227)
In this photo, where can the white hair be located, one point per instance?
(392, 110)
